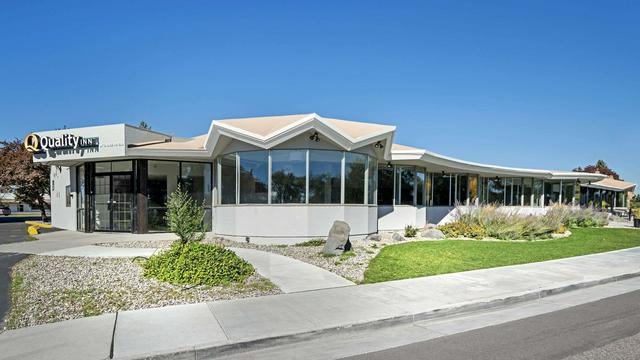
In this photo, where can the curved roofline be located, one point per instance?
(429, 157)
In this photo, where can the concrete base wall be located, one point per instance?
(290, 224)
(435, 214)
(398, 216)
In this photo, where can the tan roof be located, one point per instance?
(403, 147)
(356, 129)
(264, 125)
(267, 125)
(194, 143)
(613, 184)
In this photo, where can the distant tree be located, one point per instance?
(143, 125)
(29, 180)
(600, 167)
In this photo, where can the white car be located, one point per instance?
(5, 211)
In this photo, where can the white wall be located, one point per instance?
(288, 224)
(436, 214)
(63, 217)
(397, 217)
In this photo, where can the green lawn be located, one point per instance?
(424, 258)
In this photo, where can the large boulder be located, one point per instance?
(432, 234)
(338, 239)
(397, 237)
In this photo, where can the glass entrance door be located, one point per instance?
(113, 200)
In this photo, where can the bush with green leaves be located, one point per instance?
(459, 229)
(410, 231)
(196, 263)
(578, 217)
(494, 222)
(185, 217)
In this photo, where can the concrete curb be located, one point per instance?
(217, 350)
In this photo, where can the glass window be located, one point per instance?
(385, 185)
(67, 196)
(420, 184)
(495, 191)
(254, 177)
(196, 180)
(428, 189)
(551, 192)
(527, 190)
(508, 187)
(354, 167)
(162, 180)
(462, 186)
(538, 190)
(406, 182)
(373, 180)
(325, 169)
(567, 191)
(473, 189)
(516, 197)
(121, 166)
(80, 198)
(228, 179)
(441, 188)
(288, 176)
(103, 167)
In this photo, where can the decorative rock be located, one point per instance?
(397, 237)
(431, 226)
(338, 239)
(374, 237)
(433, 234)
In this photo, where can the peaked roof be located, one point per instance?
(268, 126)
(612, 184)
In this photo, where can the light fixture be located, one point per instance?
(389, 166)
(378, 145)
(442, 172)
(314, 137)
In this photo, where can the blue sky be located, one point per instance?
(543, 84)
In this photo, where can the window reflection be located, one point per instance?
(288, 176)
(254, 177)
(325, 168)
(355, 165)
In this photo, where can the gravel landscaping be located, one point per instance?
(51, 288)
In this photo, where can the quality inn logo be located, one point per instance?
(35, 143)
(32, 143)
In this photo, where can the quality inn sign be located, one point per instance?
(36, 144)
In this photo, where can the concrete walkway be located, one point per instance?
(201, 330)
(60, 240)
(289, 274)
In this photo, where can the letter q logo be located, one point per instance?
(32, 142)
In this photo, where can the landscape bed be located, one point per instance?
(425, 258)
(47, 289)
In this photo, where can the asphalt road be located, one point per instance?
(605, 329)
(7, 260)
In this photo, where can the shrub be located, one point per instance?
(573, 218)
(459, 229)
(410, 231)
(195, 263)
(184, 217)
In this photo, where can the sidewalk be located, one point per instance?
(199, 330)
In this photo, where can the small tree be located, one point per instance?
(144, 125)
(184, 217)
(28, 180)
